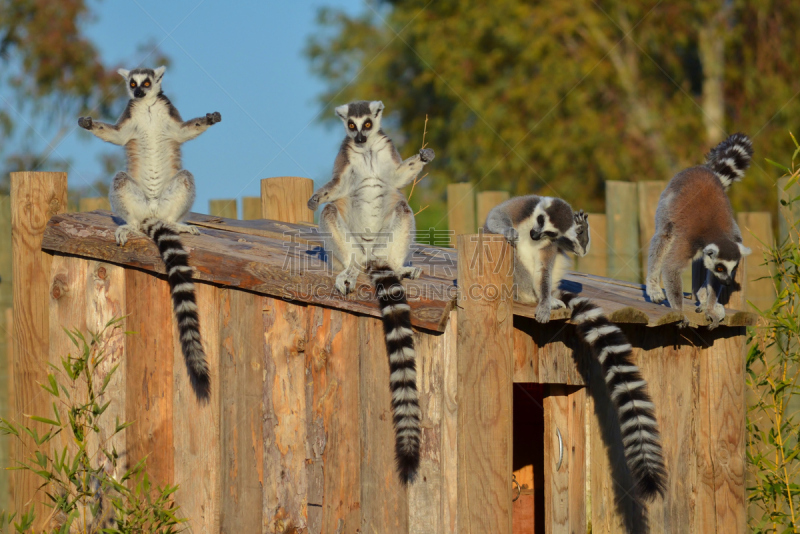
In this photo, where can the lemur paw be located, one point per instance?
(511, 235)
(314, 202)
(684, 322)
(556, 304)
(543, 312)
(426, 155)
(655, 292)
(85, 122)
(213, 118)
(187, 229)
(346, 282)
(715, 315)
(410, 272)
(122, 233)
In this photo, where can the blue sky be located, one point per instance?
(245, 62)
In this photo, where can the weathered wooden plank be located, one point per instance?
(6, 301)
(284, 199)
(596, 260)
(449, 426)
(334, 491)
(623, 230)
(460, 210)
(757, 234)
(384, 499)
(223, 207)
(35, 198)
(241, 377)
(426, 496)
(196, 423)
(94, 203)
(149, 357)
(649, 191)
(259, 264)
(485, 372)
(486, 200)
(285, 424)
(576, 449)
(545, 354)
(251, 208)
(8, 496)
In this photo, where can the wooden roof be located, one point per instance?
(285, 261)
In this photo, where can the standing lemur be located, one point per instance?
(155, 194)
(695, 220)
(544, 230)
(368, 226)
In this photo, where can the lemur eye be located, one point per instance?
(367, 124)
(351, 126)
(133, 84)
(720, 269)
(540, 219)
(147, 84)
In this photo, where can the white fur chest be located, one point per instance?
(371, 186)
(154, 157)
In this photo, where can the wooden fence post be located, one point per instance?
(756, 228)
(487, 200)
(8, 498)
(783, 211)
(596, 261)
(225, 208)
(251, 208)
(649, 192)
(94, 203)
(5, 338)
(622, 211)
(460, 210)
(35, 197)
(485, 383)
(284, 199)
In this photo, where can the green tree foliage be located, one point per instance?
(50, 72)
(557, 97)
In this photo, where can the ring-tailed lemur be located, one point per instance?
(695, 220)
(544, 230)
(368, 226)
(155, 194)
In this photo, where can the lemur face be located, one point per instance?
(723, 259)
(576, 239)
(361, 119)
(143, 83)
(552, 219)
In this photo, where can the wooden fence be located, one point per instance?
(298, 428)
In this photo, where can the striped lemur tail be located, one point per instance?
(627, 388)
(179, 276)
(730, 159)
(396, 315)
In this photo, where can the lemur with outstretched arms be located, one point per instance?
(368, 226)
(156, 193)
(544, 230)
(695, 220)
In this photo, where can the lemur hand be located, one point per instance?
(511, 235)
(314, 201)
(85, 122)
(426, 155)
(213, 118)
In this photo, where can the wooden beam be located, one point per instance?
(757, 234)
(649, 193)
(596, 260)
(622, 211)
(284, 199)
(35, 198)
(460, 210)
(94, 203)
(486, 200)
(485, 373)
(223, 208)
(7, 498)
(6, 301)
(251, 208)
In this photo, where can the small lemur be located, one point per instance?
(367, 226)
(155, 194)
(695, 220)
(544, 230)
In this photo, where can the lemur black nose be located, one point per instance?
(138, 93)
(360, 138)
(536, 235)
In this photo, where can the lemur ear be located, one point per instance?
(711, 251)
(743, 250)
(375, 107)
(341, 111)
(160, 73)
(124, 73)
